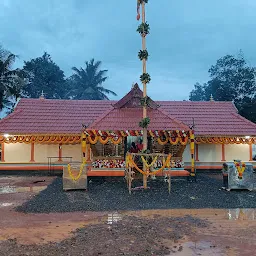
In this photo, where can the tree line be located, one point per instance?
(42, 74)
(231, 79)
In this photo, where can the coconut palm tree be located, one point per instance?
(7, 75)
(87, 83)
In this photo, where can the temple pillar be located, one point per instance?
(2, 152)
(250, 152)
(223, 155)
(32, 152)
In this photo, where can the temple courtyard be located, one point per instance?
(39, 218)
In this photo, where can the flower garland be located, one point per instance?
(116, 142)
(131, 163)
(93, 141)
(174, 142)
(184, 142)
(160, 142)
(79, 174)
(240, 169)
(102, 141)
(146, 163)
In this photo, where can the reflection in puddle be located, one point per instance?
(195, 248)
(7, 190)
(12, 189)
(241, 214)
(5, 204)
(114, 217)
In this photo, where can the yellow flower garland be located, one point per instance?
(183, 143)
(102, 141)
(79, 174)
(116, 142)
(91, 141)
(131, 163)
(174, 142)
(240, 169)
(160, 142)
(145, 161)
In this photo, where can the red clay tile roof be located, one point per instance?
(210, 117)
(129, 118)
(43, 116)
(133, 98)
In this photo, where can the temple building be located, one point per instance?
(42, 130)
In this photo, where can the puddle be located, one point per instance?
(12, 189)
(5, 204)
(241, 214)
(195, 248)
(7, 190)
(114, 218)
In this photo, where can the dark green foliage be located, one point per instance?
(10, 82)
(143, 54)
(231, 79)
(145, 78)
(42, 74)
(144, 122)
(143, 28)
(87, 83)
(145, 101)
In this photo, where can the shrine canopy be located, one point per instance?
(123, 119)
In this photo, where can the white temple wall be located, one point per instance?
(206, 153)
(42, 151)
(213, 152)
(209, 152)
(73, 151)
(17, 152)
(186, 154)
(237, 152)
(21, 152)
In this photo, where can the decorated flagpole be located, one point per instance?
(143, 29)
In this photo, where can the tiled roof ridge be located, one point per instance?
(128, 96)
(173, 118)
(14, 113)
(100, 117)
(58, 100)
(244, 119)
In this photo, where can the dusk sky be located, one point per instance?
(186, 38)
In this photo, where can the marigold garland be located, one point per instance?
(131, 163)
(240, 169)
(175, 142)
(79, 174)
(116, 142)
(102, 141)
(160, 142)
(183, 143)
(146, 163)
(93, 141)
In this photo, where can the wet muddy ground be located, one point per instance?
(208, 231)
(112, 195)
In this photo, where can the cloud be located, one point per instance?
(186, 38)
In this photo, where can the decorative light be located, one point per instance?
(6, 135)
(247, 137)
